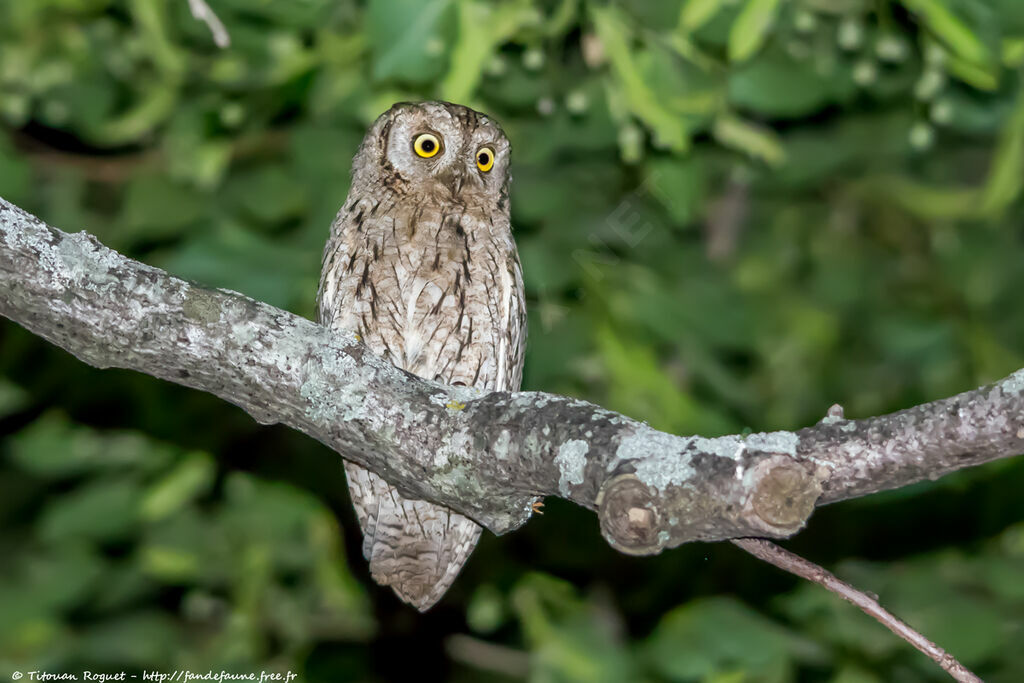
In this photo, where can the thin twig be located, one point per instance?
(783, 559)
(202, 12)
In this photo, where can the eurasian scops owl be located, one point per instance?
(422, 265)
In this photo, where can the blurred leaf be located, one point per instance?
(1009, 14)
(482, 28)
(652, 14)
(827, 151)
(925, 200)
(562, 19)
(680, 185)
(980, 77)
(570, 639)
(12, 398)
(195, 157)
(751, 28)
(267, 194)
(134, 639)
(968, 114)
(244, 261)
(15, 174)
(712, 637)
(486, 610)
(687, 89)
(941, 19)
(775, 85)
(696, 13)
(192, 476)
(53, 447)
(58, 578)
(152, 19)
(410, 38)
(123, 587)
(170, 565)
(156, 208)
(852, 674)
(34, 594)
(325, 176)
(650, 394)
(756, 141)
(642, 101)
(103, 510)
(1006, 175)
(298, 14)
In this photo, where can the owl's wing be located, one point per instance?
(338, 259)
(514, 337)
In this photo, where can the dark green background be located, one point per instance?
(731, 215)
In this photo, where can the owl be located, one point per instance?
(422, 265)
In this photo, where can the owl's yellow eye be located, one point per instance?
(426, 145)
(485, 159)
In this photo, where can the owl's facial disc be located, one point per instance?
(446, 151)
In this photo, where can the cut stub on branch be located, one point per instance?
(630, 516)
(766, 494)
(785, 494)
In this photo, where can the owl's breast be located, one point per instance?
(431, 288)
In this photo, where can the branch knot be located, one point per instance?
(629, 515)
(784, 496)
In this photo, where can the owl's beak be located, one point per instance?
(454, 179)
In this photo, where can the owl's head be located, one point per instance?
(436, 148)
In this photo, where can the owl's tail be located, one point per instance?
(413, 546)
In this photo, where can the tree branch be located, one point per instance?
(486, 455)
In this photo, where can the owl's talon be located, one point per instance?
(536, 507)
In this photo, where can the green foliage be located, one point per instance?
(731, 215)
(409, 38)
(253, 574)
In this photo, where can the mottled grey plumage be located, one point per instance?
(421, 263)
